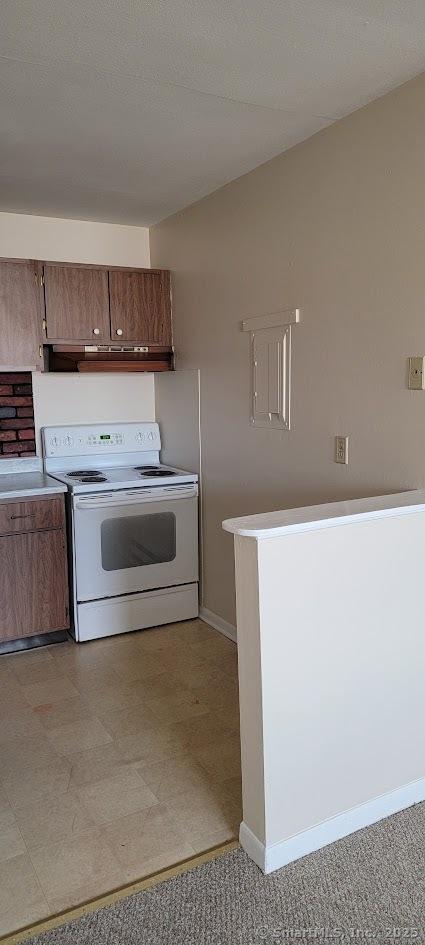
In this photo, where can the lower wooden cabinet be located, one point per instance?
(34, 577)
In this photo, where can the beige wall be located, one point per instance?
(29, 237)
(335, 226)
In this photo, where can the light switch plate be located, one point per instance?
(416, 373)
(341, 449)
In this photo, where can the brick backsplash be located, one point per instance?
(17, 434)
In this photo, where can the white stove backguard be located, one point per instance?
(103, 445)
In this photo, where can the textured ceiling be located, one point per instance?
(127, 110)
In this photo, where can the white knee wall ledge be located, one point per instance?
(331, 653)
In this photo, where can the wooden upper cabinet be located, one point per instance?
(20, 313)
(140, 306)
(81, 304)
(77, 303)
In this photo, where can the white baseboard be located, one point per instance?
(218, 623)
(276, 855)
(252, 846)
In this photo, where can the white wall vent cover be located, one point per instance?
(271, 368)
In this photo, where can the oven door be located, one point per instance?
(130, 541)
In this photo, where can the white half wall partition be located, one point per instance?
(331, 646)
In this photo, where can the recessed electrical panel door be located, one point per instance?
(271, 367)
(270, 377)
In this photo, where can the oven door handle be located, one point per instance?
(92, 502)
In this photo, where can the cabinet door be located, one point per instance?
(77, 304)
(140, 306)
(20, 316)
(33, 584)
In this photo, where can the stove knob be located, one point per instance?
(68, 441)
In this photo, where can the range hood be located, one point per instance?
(86, 358)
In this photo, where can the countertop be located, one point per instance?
(24, 485)
(273, 524)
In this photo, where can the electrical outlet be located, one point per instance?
(341, 450)
(416, 373)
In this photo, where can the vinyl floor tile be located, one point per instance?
(220, 760)
(151, 833)
(130, 721)
(118, 758)
(77, 736)
(95, 764)
(37, 784)
(174, 776)
(18, 755)
(11, 840)
(117, 796)
(54, 689)
(59, 817)
(54, 714)
(21, 725)
(22, 900)
(83, 862)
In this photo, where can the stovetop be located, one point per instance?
(97, 458)
(94, 479)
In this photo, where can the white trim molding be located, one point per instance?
(290, 316)
(276, 855)
(227, 629)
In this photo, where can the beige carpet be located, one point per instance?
(367, 887)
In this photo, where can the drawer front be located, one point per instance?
(31, 515)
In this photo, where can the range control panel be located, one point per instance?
(109, 438)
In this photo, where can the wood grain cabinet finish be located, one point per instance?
(20, 320)
(33, 570)
(77, 303)
(31, 515)
(140, 306)
(81, 304)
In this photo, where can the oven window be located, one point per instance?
(138, 540)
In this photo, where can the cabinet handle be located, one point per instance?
(29, 515)
(118, 331)
(96, 331)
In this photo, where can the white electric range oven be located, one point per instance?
(133, 525)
